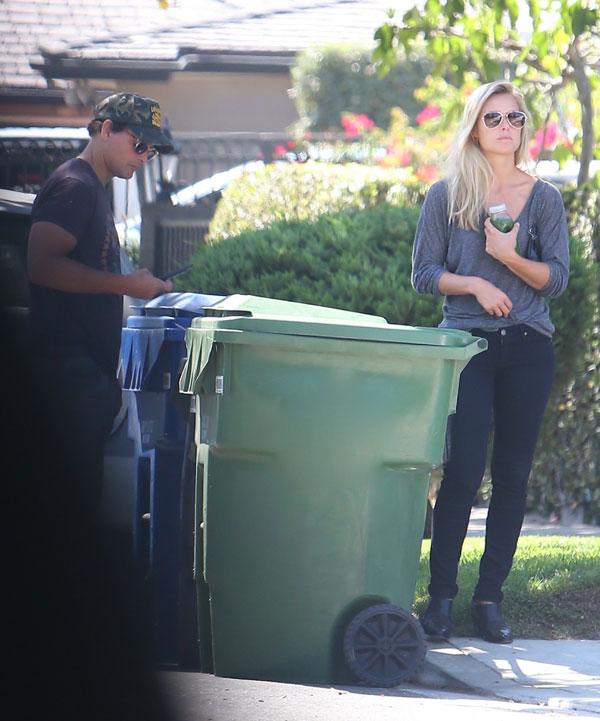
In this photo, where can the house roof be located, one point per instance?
(44, 40)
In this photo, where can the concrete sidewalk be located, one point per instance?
(557, 674)
(533, 525)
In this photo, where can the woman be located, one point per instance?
(495, 286)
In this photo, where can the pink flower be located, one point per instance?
(279, 151)
(398, 155)
(354, 124)
(427, 173)
(429, 112)
(551, 138)
(404, 158)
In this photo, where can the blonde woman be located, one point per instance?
(496, 286)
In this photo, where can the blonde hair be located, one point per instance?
(469, 174)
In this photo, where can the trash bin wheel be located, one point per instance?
(384, 645)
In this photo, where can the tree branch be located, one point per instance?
(587, 112)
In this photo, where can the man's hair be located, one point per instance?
(94, 126)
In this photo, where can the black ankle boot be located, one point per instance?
(436, 619)
(490, 623)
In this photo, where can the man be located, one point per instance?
(77, 291)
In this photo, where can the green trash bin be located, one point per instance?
(317, 439)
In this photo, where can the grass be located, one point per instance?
(552, 592)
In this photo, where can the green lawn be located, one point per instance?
(553, 590)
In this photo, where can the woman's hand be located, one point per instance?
(501, 246)
(492, 299)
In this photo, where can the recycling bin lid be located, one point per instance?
(178, 305)
(252, 305)
(145, 322)
(370, 329)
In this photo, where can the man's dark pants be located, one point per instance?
(77, 404)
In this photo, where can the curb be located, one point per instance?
(433, 676)
(448, 667)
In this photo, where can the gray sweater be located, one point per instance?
(542, 236)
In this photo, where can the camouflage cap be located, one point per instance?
(141, 115)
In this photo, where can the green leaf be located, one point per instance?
(541, 42)
(433, 7)
(583, 19)
(552, 64)
(513, 11)
(534, 11)
(384, 35)
(457, 7)
(412, 17)
(491, 69)
(566, 15)
(561, 154)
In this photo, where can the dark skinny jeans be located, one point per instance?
(507, 388)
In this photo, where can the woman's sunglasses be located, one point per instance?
(141, 147)
(516, 119)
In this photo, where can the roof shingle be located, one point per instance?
(138, 30)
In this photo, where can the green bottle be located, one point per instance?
(500, 218)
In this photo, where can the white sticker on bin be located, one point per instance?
(219, 385)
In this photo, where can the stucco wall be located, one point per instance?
(222, 102)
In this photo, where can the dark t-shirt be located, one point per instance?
(79, 323)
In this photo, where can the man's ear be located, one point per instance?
(106, 129)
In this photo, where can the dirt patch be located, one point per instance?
(566, 615)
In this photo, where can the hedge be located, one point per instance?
(304, 191)
(355, 260)
(566, 472)
(342, 236)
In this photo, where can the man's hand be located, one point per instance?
(501, 246)
(142, 284)
(492, 299)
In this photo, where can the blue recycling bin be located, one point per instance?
(152, 354)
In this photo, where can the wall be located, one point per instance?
(222, 102)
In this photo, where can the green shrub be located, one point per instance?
(583, 213)
(335, 236)
(284, 191)
(566, 472)
(355, 260)
(329, 81)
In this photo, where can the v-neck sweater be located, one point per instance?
(441, 247)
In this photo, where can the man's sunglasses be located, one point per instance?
(141, 147)
(516, 119)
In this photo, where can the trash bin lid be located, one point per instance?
(252, 305)
(369, 329)
(308, 335)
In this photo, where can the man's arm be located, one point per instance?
(48, 265)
